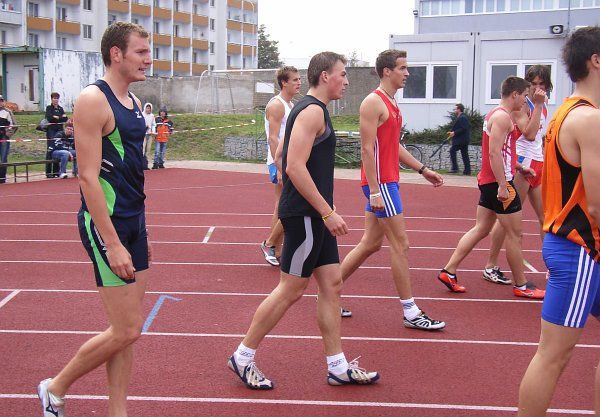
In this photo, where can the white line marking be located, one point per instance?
(242, 294)
(297, 337)
(321, 403)
(9, 297)
(528, 265)
(211, 229)
(263, 265)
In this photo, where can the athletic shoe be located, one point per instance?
(63, 176)
(451, 283)
(424, 322)
(353, 376)
(269, 253)
(530, 291)
(496, 276)
(250, 375)
(161, 166)
(49, 407)
(345, 313)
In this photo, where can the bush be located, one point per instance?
(439, 134)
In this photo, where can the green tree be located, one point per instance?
(353, 59)
(268, 50)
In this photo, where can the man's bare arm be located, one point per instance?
(370, 113)
(501, 125)
(274, 112)
(586, 135)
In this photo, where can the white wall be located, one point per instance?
(17, 80)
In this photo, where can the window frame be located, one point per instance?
(520, 64)
(429, 83)
(88, 3)
(89, 27)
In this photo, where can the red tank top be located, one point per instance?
(387, 146)
(509, 152)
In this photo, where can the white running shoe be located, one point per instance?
(353, 376)
(424, 322)
(250, 375)
(50, 403)
(269, 253)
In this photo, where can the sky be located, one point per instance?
(306, 27)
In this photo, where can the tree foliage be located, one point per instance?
(268, 50)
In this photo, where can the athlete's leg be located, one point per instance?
(329, 281)
(394, 229)
(276, 236)
(535, 198)
(271, 310)
(553, 354)
(513, 229)
(496, 242)
(484, 222)
(369, 244)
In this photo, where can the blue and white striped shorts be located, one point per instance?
(572, 293)
(391, 200)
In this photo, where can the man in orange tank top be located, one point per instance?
(571, 197)
(380, 125)
(498, 199)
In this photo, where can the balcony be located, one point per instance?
(200, 44)
(161, 65)
(198, 69)
(234, 48)
(182, 17)
(160, 39)
(162, 13)
(181, 41)
(234, 25)
(118, 6)
(73, 2)
(64, 26)
(247, 5)
(11, 17)
(249, 28)
(39, 23)
(141, 9)
(200, 20)
(248, 50)
(179, 66)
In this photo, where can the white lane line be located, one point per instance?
(529, 266)
(263, 265)
(9, 297)
(166, 242)
(243, 294)
(297, 337)
(211, 229)
(320, 403)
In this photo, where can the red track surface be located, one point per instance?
(472, 368)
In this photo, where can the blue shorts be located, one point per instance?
(132, 234)
(272, 172)
(391, 200)
(572, 290)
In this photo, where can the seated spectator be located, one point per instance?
(63, 149)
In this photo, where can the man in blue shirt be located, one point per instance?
(461, 136)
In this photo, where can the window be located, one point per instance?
(176, 30)
(211, 67)
(33, 9)
(156, 3)
(176, 55)
(3, 37)
(211, 47)
(61, 13)
(156, 27)
(433, 82)
(156, 53)
(176, 5)
(212, 24)
(111, 19)
(499, 71)
(135, 20)
(87, 4)
(228, 61)
(87, 31)
(195, 8)
(33, 39)
(61, 43)
(243, 63)
(212, 3)
(195, 58)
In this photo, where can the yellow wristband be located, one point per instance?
(328, 215)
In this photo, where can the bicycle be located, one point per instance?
(414, 150)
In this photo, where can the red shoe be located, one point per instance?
(530, 291)
(451, 283)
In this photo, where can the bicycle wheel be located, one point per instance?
(416, 152)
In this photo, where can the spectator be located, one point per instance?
(164, 128)
(55, 115)
(150, 131)
(461, 136)
(63, 149)
(6, 119)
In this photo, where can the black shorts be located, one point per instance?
(307, 245)
(489, 199)
(132, 234)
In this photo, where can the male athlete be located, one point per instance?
(276, 114)
(112, 216)
(310, 225)
(380, 125)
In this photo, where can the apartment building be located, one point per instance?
(188, 36)
(462, 50)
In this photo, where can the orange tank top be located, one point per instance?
(563, 194)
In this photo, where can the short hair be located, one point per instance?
(542, 71)
(117, 35)
(512, 84)
(578, 49)
(323, 61)
(387, 59)
(283, 74)
(460, 107)
(54, 95)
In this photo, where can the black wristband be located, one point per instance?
(423, 168)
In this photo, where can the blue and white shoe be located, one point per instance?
(51, 405)
(353, 376)
(250, 375)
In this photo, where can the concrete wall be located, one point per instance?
(18, 85)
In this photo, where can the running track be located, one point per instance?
(210, 277)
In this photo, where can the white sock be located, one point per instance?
(56, 400)
(410, 308)
(244, 355)
(337, 364)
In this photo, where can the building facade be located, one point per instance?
(463, 49)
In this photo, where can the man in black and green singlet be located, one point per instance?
(112, 216)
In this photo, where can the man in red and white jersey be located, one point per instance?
(499, 199)
(380, 125)
(531, 121)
